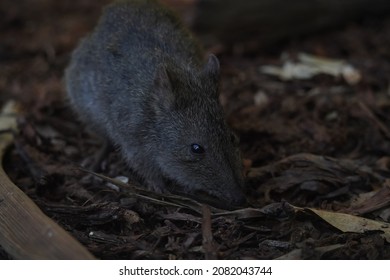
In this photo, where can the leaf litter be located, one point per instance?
(316, 151)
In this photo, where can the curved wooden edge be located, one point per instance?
(25, 231)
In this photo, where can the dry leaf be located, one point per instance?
(309, 66)
(350, 223)
(372, 201)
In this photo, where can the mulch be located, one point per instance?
(321, 143)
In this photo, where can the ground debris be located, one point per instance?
(321, 143)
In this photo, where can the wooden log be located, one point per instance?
(25, 231)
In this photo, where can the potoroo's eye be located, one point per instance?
(197, 149)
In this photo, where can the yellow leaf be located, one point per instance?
(350, 223)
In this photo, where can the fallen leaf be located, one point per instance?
(309, 66)
(351, 223)
(369, 202)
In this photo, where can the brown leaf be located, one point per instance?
(351, 223)
(380, 199)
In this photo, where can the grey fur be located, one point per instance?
(140, 80)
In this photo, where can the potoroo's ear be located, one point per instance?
(211, 75)
(211, 68)
(163, 91)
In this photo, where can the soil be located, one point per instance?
(316, 143)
